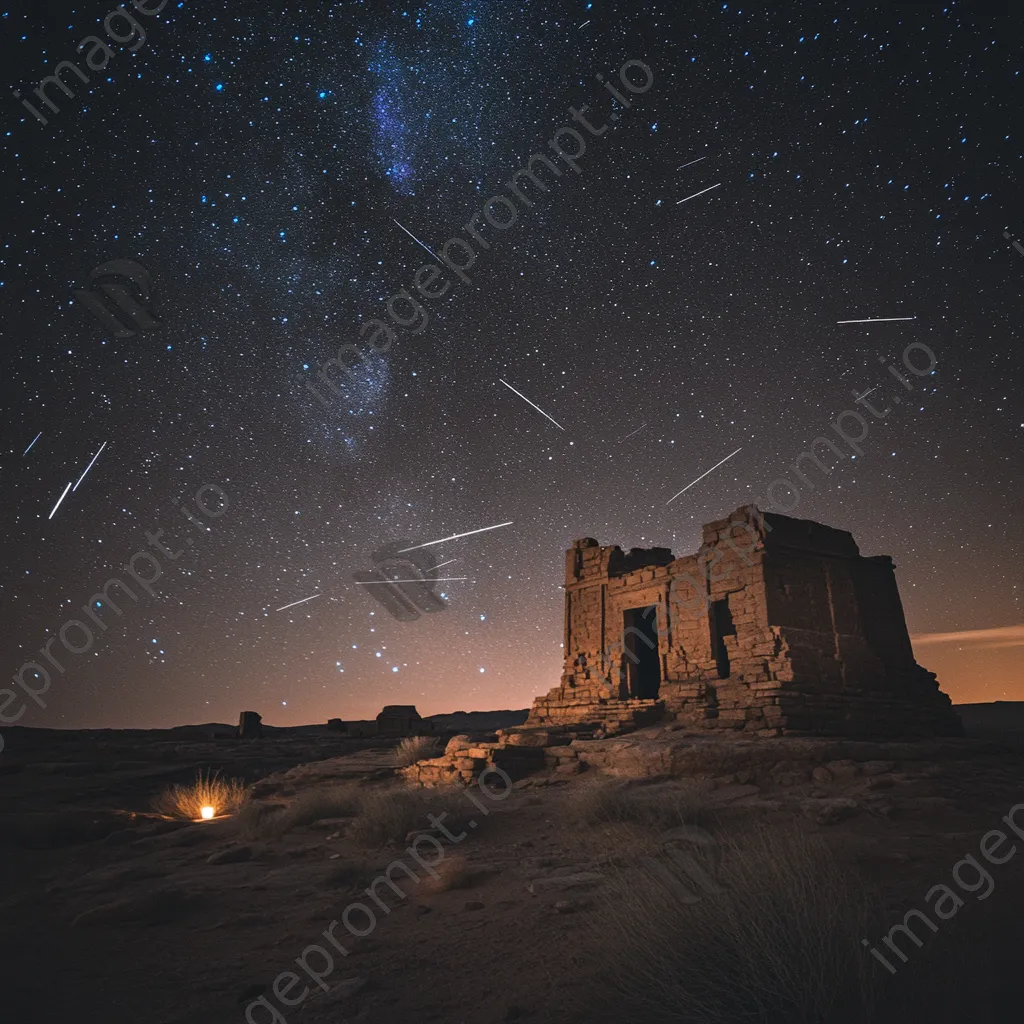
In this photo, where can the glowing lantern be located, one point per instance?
(207, 813)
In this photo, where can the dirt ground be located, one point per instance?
(109, 915)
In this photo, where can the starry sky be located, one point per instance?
(675, 301)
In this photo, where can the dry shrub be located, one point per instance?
(658, 808)
(348, 874)
(271, 821)
(416, 748)
(225, 796)
(388, 815)
(453, 872)
(775, 941)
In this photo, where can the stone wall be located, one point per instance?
(776, 625)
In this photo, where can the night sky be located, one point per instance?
(675, 301)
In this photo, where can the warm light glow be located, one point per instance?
(207, 813)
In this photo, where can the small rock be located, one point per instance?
(121, 836)
(339, 993)
(472, 905)
(565, 907)
(561, 882)
(230, 855)
(821, 774)
(877, 767)
(433, 832)
(844, 769)
(830, 812)
(881, 782)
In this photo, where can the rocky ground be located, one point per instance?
(107, 914)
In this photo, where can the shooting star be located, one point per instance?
(584, 25)
(637, 431)
(877, 320)
(455, 536)
(697, 161)
(857, 397)
(29, 448)
(59, 500)
(424, 579)
(87, 468)
(439, 564)
(701, 477)
(700, 193)
(294, 603)
(537, 407)
(418, 242)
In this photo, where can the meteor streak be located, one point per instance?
(59, 500)
(701, 477)
(418, 242)
(456, 536)
(528, 402)
(294, 603)
(877, 320)
(87, 468)
(700, 193)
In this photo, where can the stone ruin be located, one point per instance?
(775, 627)
(395, 721)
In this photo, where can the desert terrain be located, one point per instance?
(554, 906)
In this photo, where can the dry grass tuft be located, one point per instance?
(225, 796)
(271, 821)
(653, 808)
(453, 872)
(388, 815)
(416, 748)
(773, 939)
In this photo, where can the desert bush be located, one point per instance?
(659, 808)
(416, 748)
(271, 821)
(388, 815)
(453, 872)
(225, 796)
(774, 939)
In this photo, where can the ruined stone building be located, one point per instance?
(775, 626)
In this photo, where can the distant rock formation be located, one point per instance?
(250, 725)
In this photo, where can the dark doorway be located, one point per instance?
(640, 647)
(721, 627)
